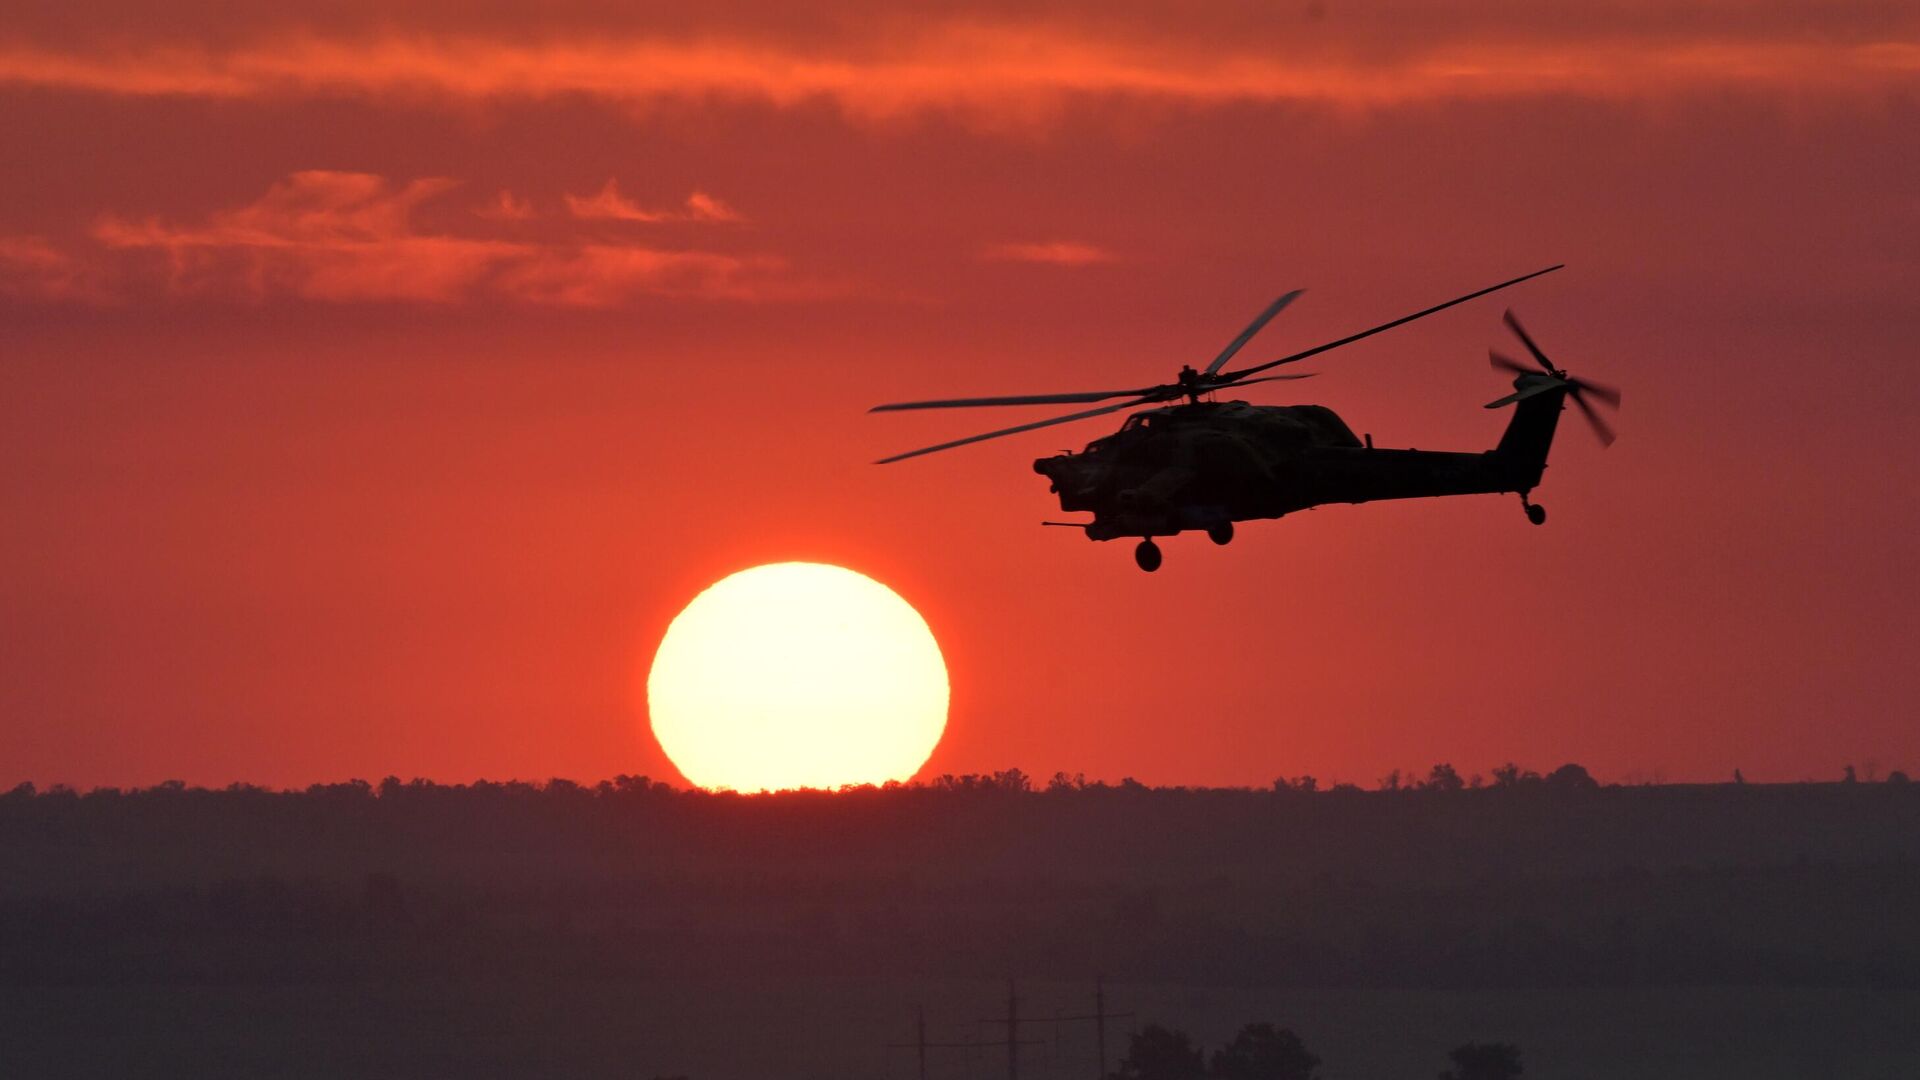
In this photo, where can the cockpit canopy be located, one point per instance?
(1302, 425)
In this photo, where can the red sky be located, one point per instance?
(378, 385)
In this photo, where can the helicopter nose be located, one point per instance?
(1055, 467)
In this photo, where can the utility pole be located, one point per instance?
(919, 1042)
(1099, 1022)
(1099, 1016)
(920, 1045)
(1013, 1033)
(1012, 1021)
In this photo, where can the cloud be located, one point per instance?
(31, 268)
(998, 66)
(704, 207)
(608, 204)
(606, 275)
(506, 206)
(317, 235)
(350, 237)
(1053, 252)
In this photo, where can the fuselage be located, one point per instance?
(1196, 466)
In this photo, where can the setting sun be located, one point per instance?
(797, 675)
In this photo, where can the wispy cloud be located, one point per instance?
(704, 207)
(350, 237)
(317, 235)
(1052, 252)
(1001, 67)
(608, 204)
(605, 275)
(32, 268)
(506, 206)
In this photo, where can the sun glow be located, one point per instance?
(797, 675)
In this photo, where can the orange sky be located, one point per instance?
(379, 385)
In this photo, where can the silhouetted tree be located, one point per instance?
(351, 791)
(1262, 1052)
(1483, 1061)
(1510, 775)
(1571, 777)
(1012, 780)
(1158, 1053)
(1443, 778)
(1062, 782)
(1897, 776)
(1849, 777)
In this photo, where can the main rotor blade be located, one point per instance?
(1271, 378)
(1601, 429)
(1013, 430)
(1252, 328)
(1017, 399)
(1508, 363)
(1350, 339)
(1513, 324)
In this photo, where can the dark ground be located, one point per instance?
(413, 930)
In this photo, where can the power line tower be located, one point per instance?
(920, 1045)
(1012, 1021)
(1099, 1016)
(1013, 1042)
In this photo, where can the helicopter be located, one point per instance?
(1186, 461)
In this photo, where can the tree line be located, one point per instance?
(1441, 779)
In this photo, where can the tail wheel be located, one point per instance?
(1147, 555)
(1221, 533)
(1536, 514)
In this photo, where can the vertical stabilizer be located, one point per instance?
(1529, 434)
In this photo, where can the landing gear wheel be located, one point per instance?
(1221, 533)
(1536, 514)
(1147, 555)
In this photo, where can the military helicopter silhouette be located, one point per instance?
(1203, 464)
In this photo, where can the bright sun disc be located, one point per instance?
(797, 675)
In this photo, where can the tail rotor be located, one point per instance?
(1528, 382)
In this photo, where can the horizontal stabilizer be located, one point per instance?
(1531, 391)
